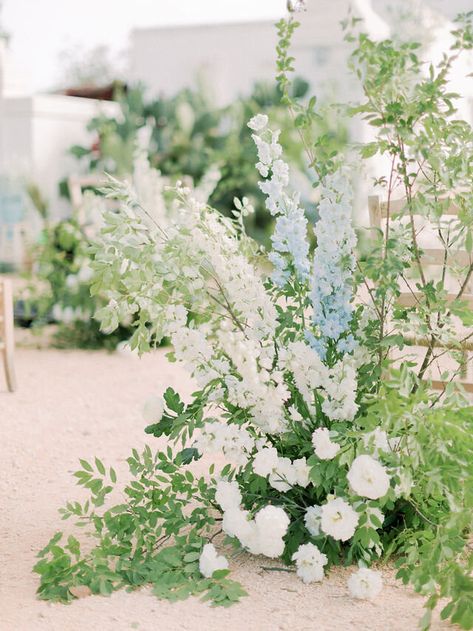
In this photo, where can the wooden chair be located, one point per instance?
(7, 343)
(431, 256)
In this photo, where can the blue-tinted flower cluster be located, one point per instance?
(333, 265)
(290, 246)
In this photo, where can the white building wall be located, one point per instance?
(35, 134)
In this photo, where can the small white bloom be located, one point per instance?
(228, 494)
(296, 6)
(325, 449)
(301, 470)
(265, 461)
(210, 561)
(284, 477)
(153, 410)
(338, 519)
(312, 519)
(368, 478)
(258, 122)
(365, 584)
(310, 563)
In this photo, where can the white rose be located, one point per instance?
(210, 561)
(368, 478)
(228, 494)
(365, 584)
(338, 519)
(309, 563)
(325, 449)
(153, 410)
(312, 520)
(265, 461)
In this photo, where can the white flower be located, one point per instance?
(310, 563)
(296, 6)
(365, 584)
(258, 122)
(325, 449)
(272, 523)
(338, 519)
(228, 494)
(236, 524)
(210, 561)
(312, 520)
(265, 461)
(153, 410)
(284, 477)
(301, 470)
(368, 478)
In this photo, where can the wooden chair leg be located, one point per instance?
(8, 334)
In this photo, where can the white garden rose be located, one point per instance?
(312, 519)
(153, 409)
(309, 563)
(228, 494)
(338, 519)
(368, 478)
(210, 561)
(284, 477)
(325, 449)
(265, 461)
(365, 584)
(301, 470)
(272, 523)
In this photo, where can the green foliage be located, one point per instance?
(154, 536)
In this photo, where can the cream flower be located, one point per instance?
(365, 584)
(368, 478)
(210, 561)
(310, 563)
(153, 410)
(338, 519)
(325, 449)
(258, 122)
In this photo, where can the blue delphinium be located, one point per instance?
(333, 265)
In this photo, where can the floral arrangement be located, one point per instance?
(324, 448)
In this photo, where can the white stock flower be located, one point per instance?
(228, 494)
(210, 561)
(310, 563)
(368, 478)
(338, 519)
(325, 449)
(365, 584)
(258, 122)
(153, 409)
(312, 519)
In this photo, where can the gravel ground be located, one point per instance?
(73, 404)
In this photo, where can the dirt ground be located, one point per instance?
(73, 404)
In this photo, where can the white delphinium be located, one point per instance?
(324, 447)
(365, 584)
(312, 519)
(228, 494)
(310, 563)
(289, 239)
(338, 519)
(368, 478)
(153, 409)
(210, 561)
